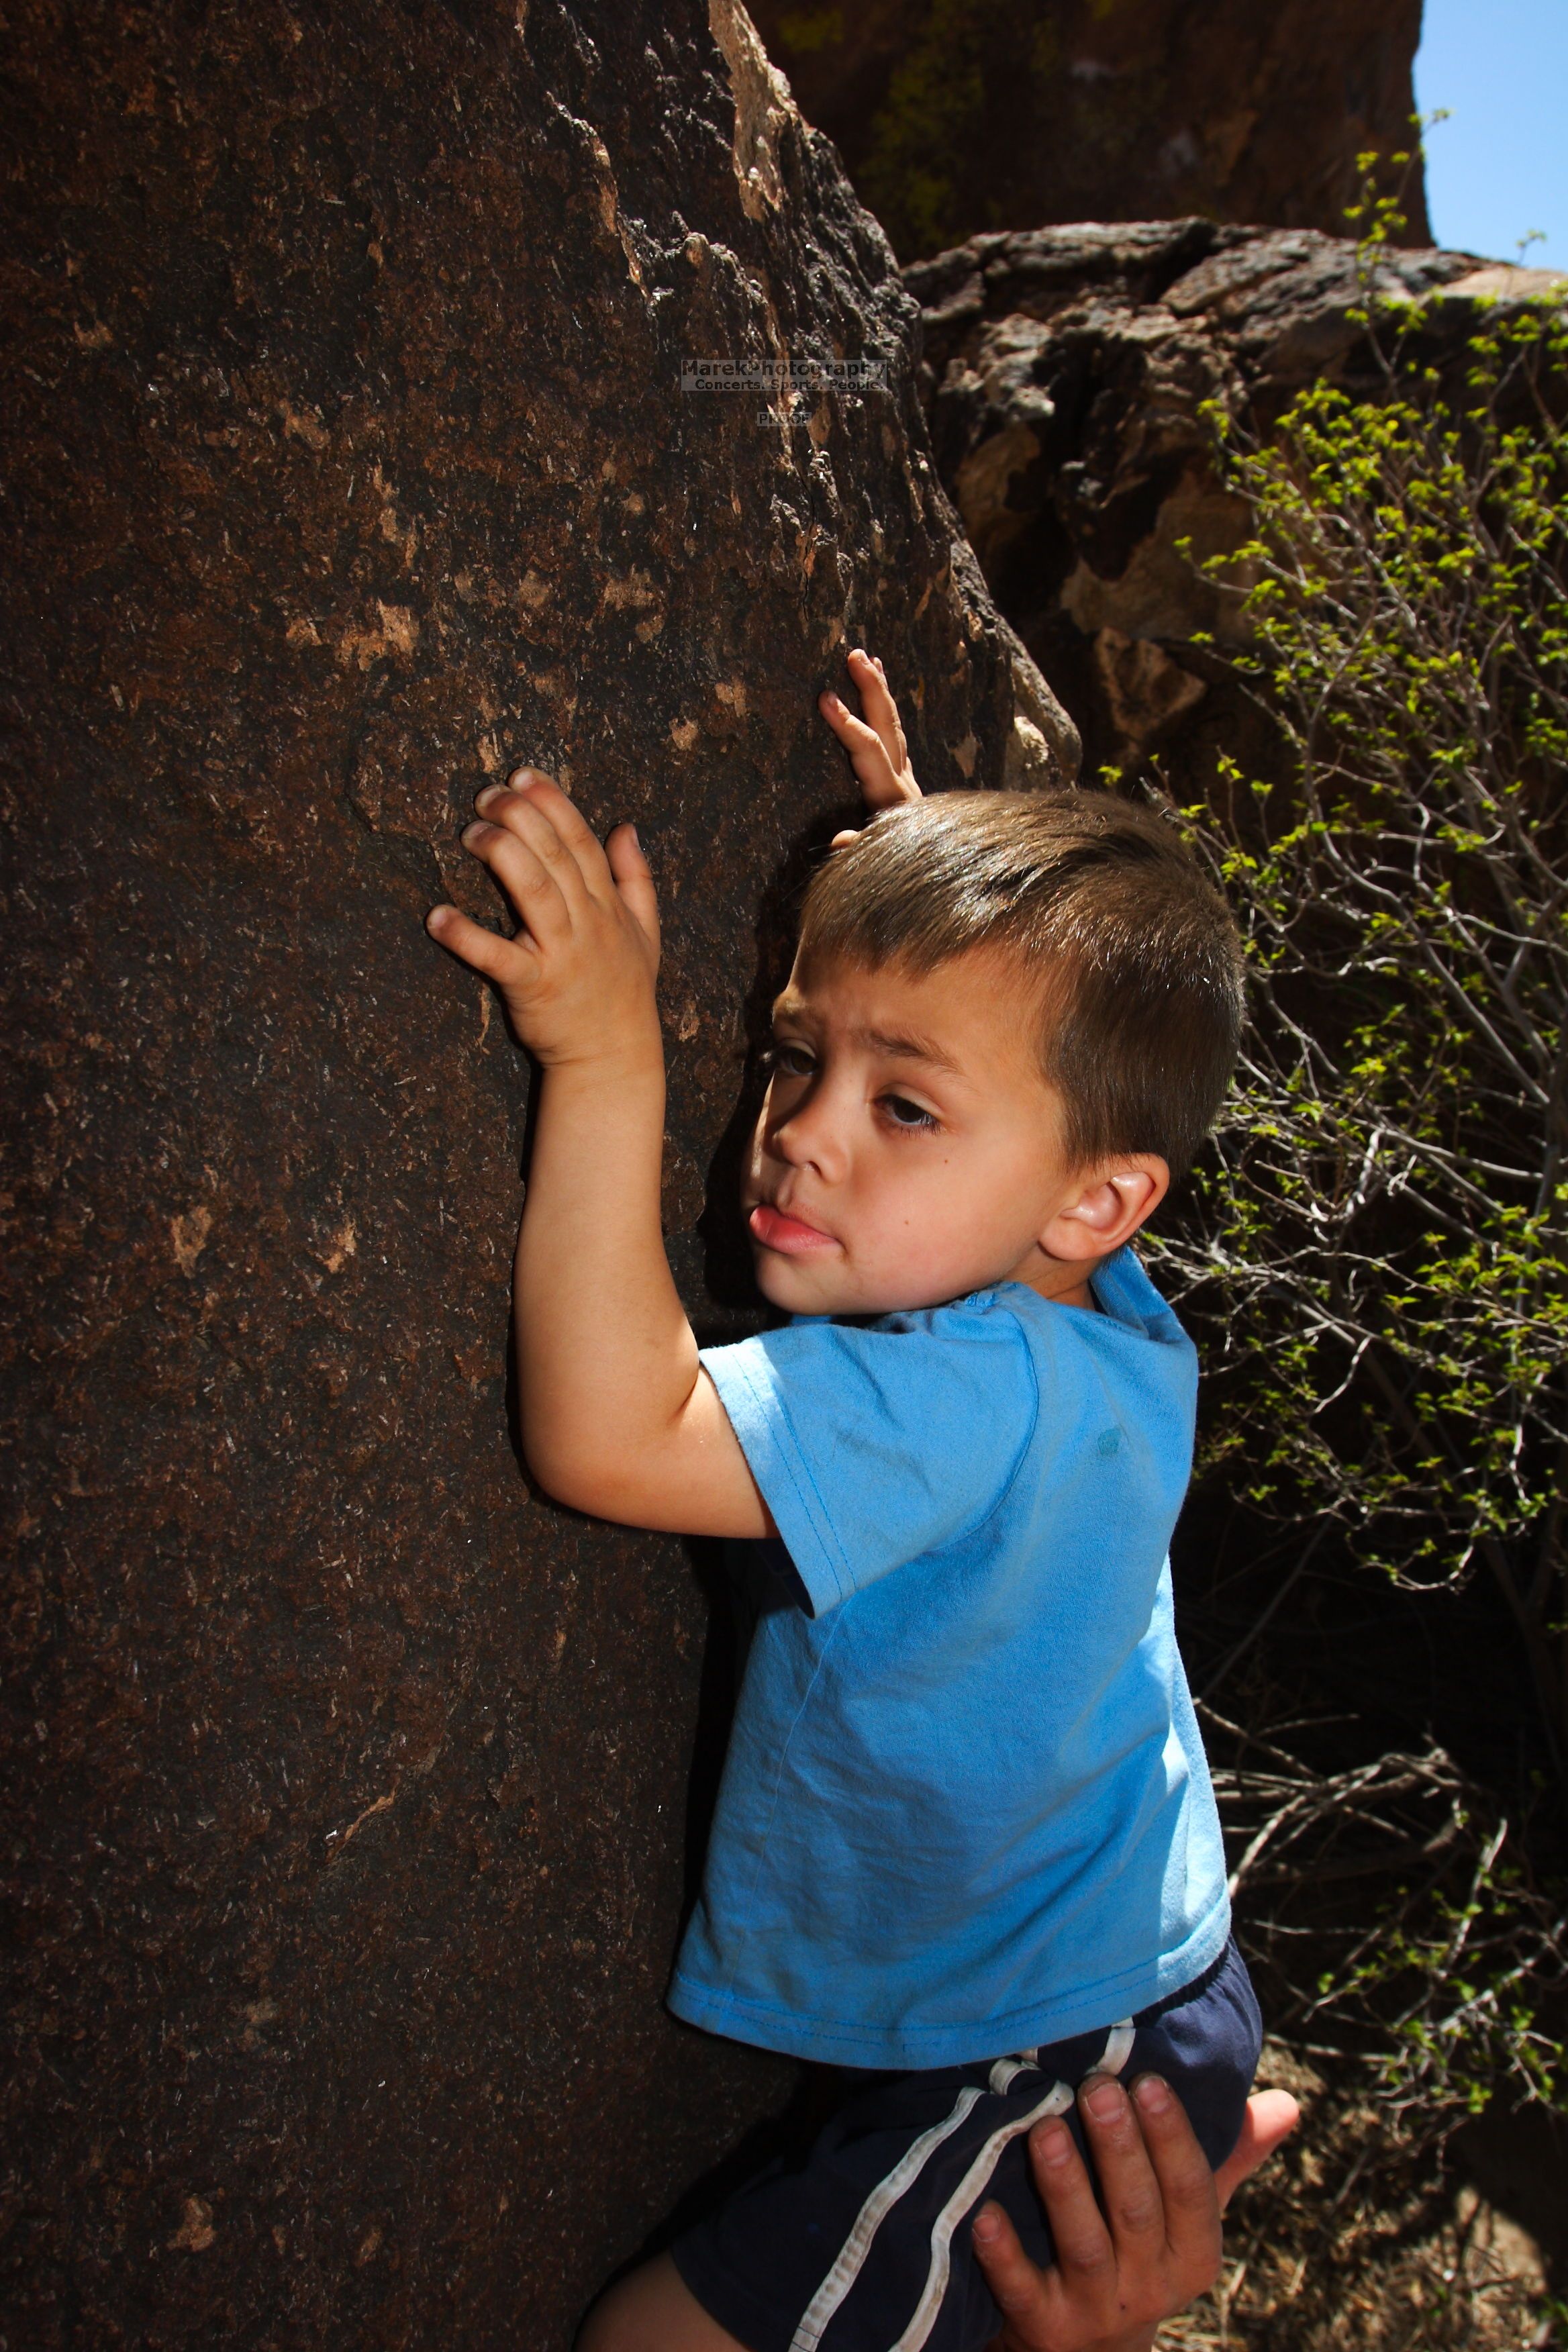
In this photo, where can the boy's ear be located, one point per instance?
(1114, 1201)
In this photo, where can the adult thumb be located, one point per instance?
(1271, 2117)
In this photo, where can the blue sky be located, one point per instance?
(1498, 167)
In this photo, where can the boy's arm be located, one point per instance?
(618, 1417)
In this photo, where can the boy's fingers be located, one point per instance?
(1019, 2288)
(854, 734)
(538, 812)
(876, 699)
(482, 951)
(547, 794)
(524, 875)
(634, 880)
(1083, 2251)
(882, 711)
(868, 754)
(1127, 2178)
(542, 799)
(1271, 2117)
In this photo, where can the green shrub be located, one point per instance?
(1383, 1232)
(1378, 1247)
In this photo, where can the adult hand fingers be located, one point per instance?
(1271, 2117)
(1189, 2202)
(1023, 2292)
(533, 889)
(1085, 2254)
(501, 959)
(634, 880)
(1127, 2179)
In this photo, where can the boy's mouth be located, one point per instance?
(790, 1235)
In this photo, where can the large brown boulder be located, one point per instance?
(347, 460)
(1067, 374)
(957, 116)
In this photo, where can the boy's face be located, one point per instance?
(910, 1151)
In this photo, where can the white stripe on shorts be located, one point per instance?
(1117, 2049)
(969, 2191)
(971, 2188)
(872, 2214)
(852, 2255)
(1006, 2071)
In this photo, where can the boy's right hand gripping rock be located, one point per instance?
(877, 752)
(577, 976)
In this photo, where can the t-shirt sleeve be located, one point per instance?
(872, 1446)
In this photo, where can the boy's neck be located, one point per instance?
(1062, 1282)
(1072, 1294)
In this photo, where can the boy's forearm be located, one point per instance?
(617, 1416)
(607, 1359)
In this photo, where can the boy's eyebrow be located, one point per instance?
(906, 1049)
(898, 1047)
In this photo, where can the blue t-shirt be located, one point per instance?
(966, 1809)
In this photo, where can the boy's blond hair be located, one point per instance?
(1131, 959)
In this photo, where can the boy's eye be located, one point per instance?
(790, 1061)
(905, 1113)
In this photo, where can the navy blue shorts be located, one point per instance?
(865, 2247)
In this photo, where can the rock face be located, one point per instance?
(347, 462)
(1066, 371)
(957, 116)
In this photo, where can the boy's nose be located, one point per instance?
(811, 1135)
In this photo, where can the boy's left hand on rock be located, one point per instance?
(877, 752)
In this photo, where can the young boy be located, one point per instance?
(965, 1843)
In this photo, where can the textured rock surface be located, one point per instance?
(956, 116)
(1065, 370)
(346, 462)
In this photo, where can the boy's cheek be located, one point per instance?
(756, 1158)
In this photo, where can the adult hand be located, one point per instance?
(877, 752)
(1117, 2274)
